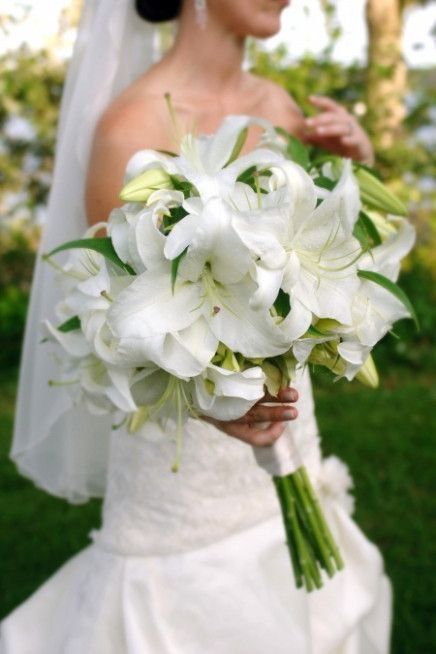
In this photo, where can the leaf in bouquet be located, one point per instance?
(247, 176)
(175, 215)
(70, 325)
(181, 185)
(175, 267)
(101, 245)
(282, 303)
(366, 232)
(167, 152)
(295, 149)
(325, 182)
(393, 288)
(298, 152)
(239, 144)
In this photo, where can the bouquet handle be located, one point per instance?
(310, 542)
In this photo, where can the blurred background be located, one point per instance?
(378, 58)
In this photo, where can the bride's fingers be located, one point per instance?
(262, 413)
(284, 395)
(254, 436)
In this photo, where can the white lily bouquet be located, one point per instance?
(221, 276)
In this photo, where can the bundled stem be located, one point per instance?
(310, 541)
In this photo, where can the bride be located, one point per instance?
(192, 562)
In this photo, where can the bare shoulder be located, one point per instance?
(281, 107)
(131, 123)
(135, 120)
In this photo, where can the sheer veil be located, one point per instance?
(64, 449)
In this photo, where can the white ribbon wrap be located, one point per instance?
(279, 459)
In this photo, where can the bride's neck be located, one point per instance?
(206, 58)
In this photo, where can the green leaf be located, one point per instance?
(181, 185)
(298, 152)
(325, 182)
(366, 232)
(102, 245)
(175, 266)
(239, 144)
(70, 325)
(393, 288)
(282, 303)
(247, 177)
(295, 149)
(176, 214)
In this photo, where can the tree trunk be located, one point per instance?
(387, 73)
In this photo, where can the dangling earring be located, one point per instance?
(201, 12)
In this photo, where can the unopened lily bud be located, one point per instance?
(376, 195)
(385, 227)
(368, 374)
(140, 188)
(326, 354)
(327, 325)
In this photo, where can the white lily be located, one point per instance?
(149, 307)
(227, 395)
(375, 309)
(320, 274)
(209, 162)
(319, 271)
(102, 386)
(184, 354)
(209, 237)
(122, 230)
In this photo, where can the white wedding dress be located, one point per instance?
(196, 562)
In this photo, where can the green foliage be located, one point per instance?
(30, 90)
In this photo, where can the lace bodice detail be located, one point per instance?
(218, 490)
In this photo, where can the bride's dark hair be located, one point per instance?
(157, 11)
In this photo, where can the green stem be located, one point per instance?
(292, 546)
(306, 534)
(314, 524)
(302, 552)
(320, 517)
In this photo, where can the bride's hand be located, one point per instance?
(261, 425)
(338, 131)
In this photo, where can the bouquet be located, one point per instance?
(222, 275)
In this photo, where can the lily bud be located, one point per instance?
(368, 374)
(376, 195)
(140, 188)
(327, 325)
(385, 227)
(326, 354)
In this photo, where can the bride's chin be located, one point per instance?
(266, 28)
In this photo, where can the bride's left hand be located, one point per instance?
(338, 131)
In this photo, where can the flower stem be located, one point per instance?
(310, 542)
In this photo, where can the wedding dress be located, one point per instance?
(196, 561)
(193, 562)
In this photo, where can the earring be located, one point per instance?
(201, 12)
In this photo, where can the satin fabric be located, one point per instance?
(236, 596)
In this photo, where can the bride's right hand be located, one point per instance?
(261, 425)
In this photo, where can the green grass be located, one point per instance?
(385, 436)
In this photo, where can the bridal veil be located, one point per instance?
(62, 448)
